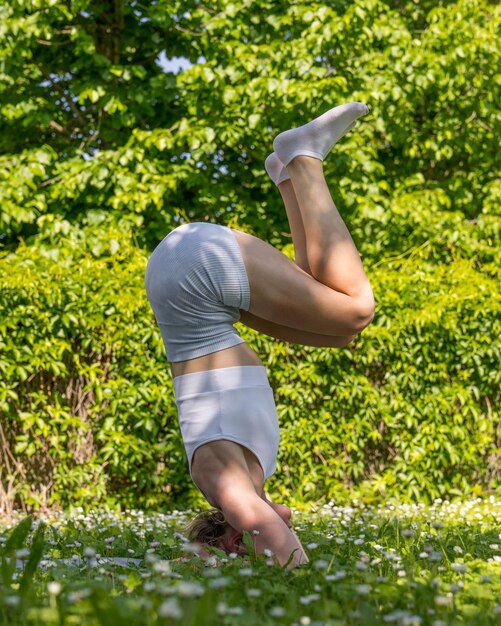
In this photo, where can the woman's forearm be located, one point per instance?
(266, 527)
(272, 533)
(282, 542)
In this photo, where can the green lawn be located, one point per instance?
(404, 565)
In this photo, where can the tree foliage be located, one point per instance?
(102, 151)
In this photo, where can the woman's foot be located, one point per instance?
(317, 138)
(276, 169)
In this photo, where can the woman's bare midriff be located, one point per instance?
(241, 354)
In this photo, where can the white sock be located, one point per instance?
(317, 138)
(276, 169)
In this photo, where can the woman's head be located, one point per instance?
(211, 529)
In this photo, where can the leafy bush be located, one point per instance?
(408, 410)
(86, 399)
(88, 411)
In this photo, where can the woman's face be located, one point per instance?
(232, 541)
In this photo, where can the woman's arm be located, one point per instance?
(251, 513)
(284, 513)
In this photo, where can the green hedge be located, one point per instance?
(87, 412)
(86, 400)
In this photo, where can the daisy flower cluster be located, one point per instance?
(401, 564)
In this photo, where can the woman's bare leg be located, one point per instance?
(295, 223)
(337, 299)
(293, 335)
(331, 253)
(285, 333)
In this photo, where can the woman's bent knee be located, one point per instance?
(363, 312)
(341, 342)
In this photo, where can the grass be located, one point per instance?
(403, 565)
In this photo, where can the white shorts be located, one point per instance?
(231, 403)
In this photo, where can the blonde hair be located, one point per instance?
(208, 527)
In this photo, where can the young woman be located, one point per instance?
(201, 279)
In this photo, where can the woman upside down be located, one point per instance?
(201, 279)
